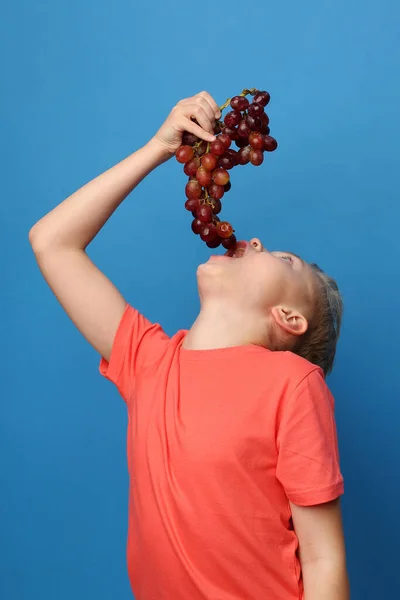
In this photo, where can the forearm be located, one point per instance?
(325, 580)
(77, 220)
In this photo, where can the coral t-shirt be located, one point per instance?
(218, 442)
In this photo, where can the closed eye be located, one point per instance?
(287, 257)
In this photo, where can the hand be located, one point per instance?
(201, 107)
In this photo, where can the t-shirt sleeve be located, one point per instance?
(137, 343)
(308, 455)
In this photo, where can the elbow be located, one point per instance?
(35, 238)
(32, 236)
(45, 241)
(40, 239)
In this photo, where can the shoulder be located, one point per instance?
(294, 369)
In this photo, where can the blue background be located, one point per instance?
(87, 83)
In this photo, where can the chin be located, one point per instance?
(206, 265)
(210, 268)
(210, 277)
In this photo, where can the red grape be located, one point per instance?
(215, 243)
(243, 129)
(225, 139)
(202, 148)
(216, 205)
(220, 176)
(256, 157)
(191, 167)
(225, 229)
(217, 128)
(264, 124)
(232, 132)
(254, 123)
(189, 139)
(204, 213)
(193, 189)
(255, 110)
(226, 162)
(217, 148)
(227, 186)
(264, 119)
(209, 162)
(184, 154)
(204, 177)
(234, 155)
(230, 242)
(256, 141)
(261, 98)
(244, 155)
(233, 118)
(239, 103)
(270, 143)
(208, 232)
(192, 204)
(242, 142)
(197, 226)
(216, 191)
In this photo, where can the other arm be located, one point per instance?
(319, 530)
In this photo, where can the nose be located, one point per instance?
(256, 244)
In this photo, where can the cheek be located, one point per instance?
(259, 285)
(273, 283)
(301, 295)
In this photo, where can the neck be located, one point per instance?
(220, 326)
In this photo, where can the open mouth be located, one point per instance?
(238, 250)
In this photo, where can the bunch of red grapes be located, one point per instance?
(207, 164)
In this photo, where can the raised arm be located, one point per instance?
(60, 238)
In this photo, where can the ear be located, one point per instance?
(291, 321)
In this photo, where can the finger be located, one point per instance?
(198, 112)
(207, 102)
(190, 103)
(191, 127)
(212, 103)
(205, 105)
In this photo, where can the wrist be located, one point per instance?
(158, 151)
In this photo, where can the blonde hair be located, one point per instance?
(318, 344)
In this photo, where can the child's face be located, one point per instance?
(258, 279)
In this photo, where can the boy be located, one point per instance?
(232, 447)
